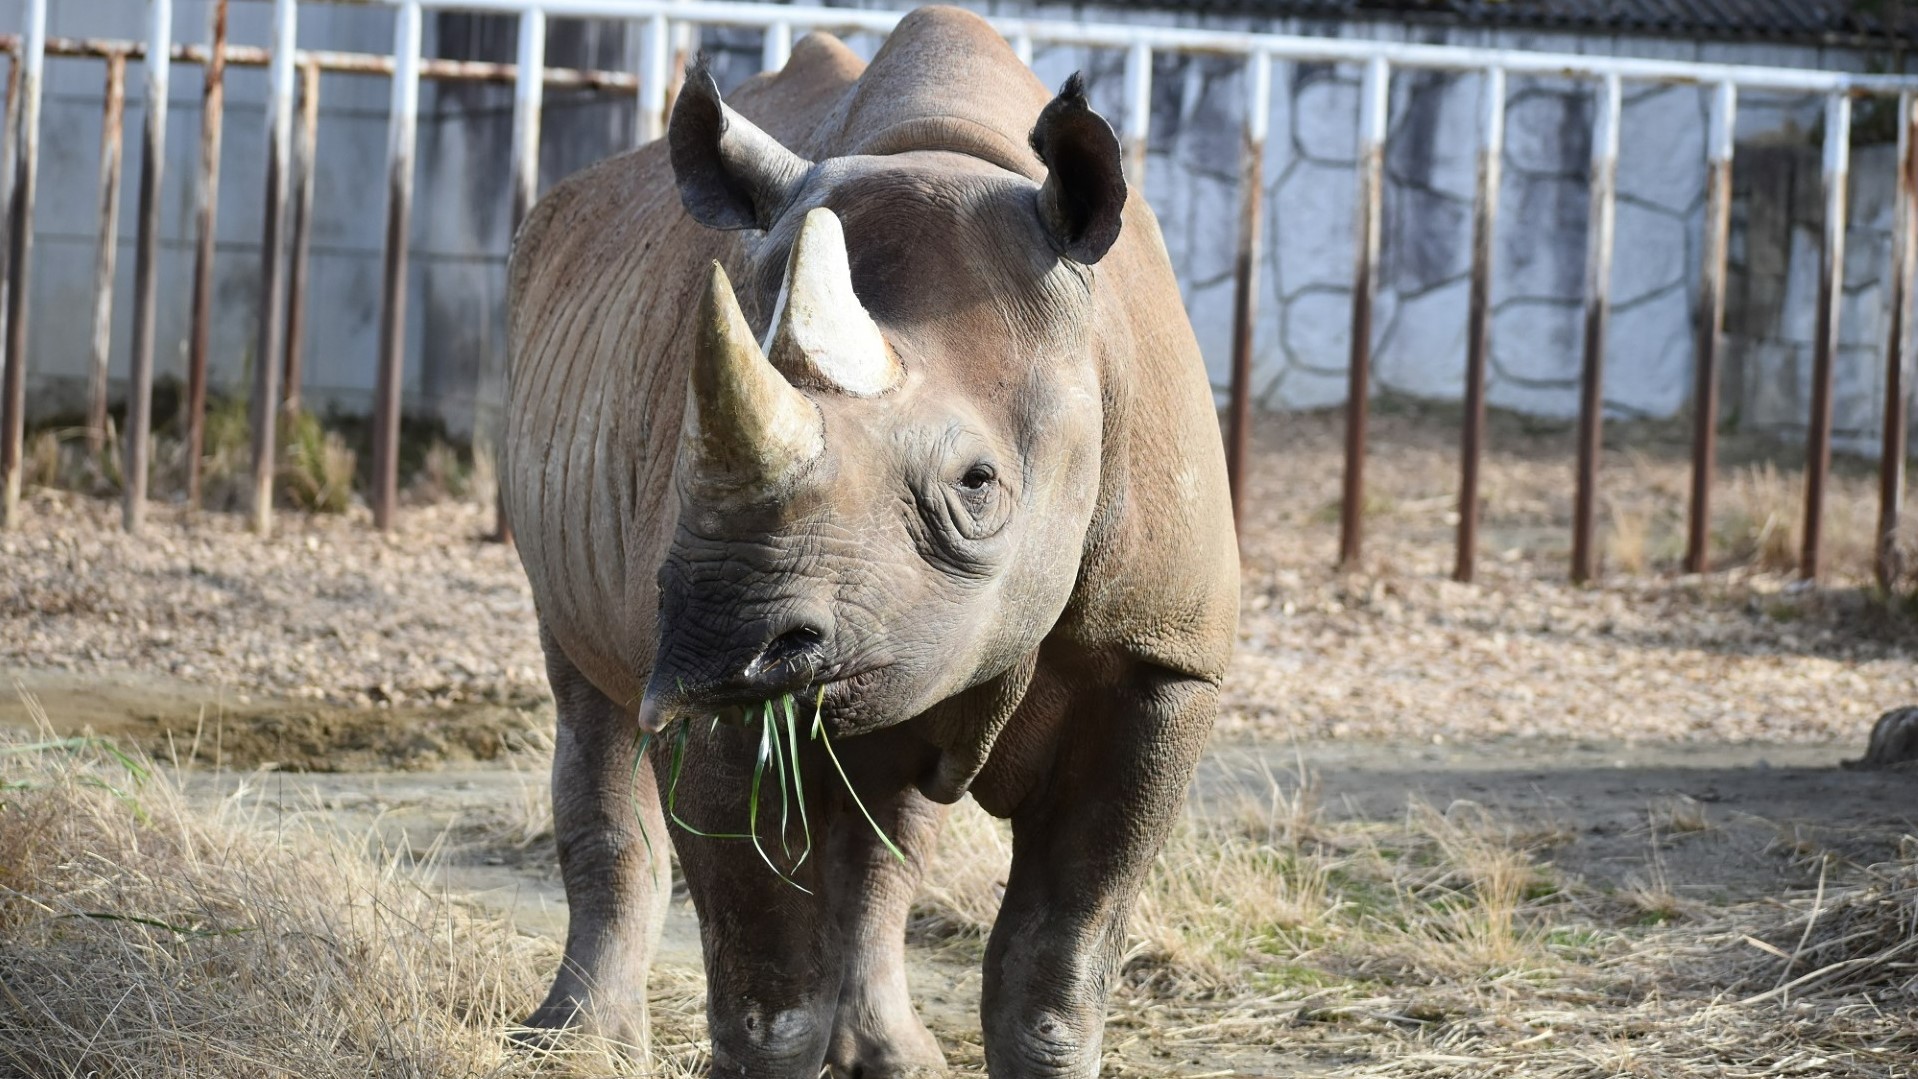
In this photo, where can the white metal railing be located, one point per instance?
(667, 27)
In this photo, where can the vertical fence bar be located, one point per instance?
(106, 249)
(655, 55)
(152, 168)
(528, 86)
(1904, 255)
(1478, 319)
(1022, 47)
(1598, 287)
(212, 115)
(266, 357)
(399, 212)
(1709, 320)
(1831, 296)
(9, 152)
(777, 46)
(1245, 273)
(304, 149)
(1138, 113)
(528, 90)
(1374, 99)
(13, 410)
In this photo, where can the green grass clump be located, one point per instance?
(778, 755)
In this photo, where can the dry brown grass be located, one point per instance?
(139, 937)
(1446, 945)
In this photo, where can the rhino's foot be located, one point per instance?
(1894, 742)
(882, 1040)
(622, 1022)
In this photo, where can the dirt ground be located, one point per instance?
(1663, 732)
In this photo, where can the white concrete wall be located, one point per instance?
(460, 235)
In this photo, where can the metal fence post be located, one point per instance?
(1904, 254)
(106, 249)
(1245, 285)
(777, 46)
(399, 212)
(1831, 296)
(266, 358)
(152, 167)
(304, 149)
(1138, 113)
(13, 407)
(528, 87)
(1478, 319)
(1709, 319)
(655, 55)
(1598, 287)
(1374, 105)
(212, 114)
(1022, 47)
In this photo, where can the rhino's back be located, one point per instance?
(603, 281)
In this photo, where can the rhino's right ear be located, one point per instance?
(1085, 175)
(731, 175)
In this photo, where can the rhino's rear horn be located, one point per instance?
(822, 337)
(749, 432)
(730, 174)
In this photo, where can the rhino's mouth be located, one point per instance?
(833, 696)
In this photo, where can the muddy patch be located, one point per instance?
(187, 723)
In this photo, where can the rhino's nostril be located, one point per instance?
(796, 646)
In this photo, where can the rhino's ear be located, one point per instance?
(731, 175)
(1085, 176)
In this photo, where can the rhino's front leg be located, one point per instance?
(612, 857)
(772, 951)
(1080, 853)
(876, 1033)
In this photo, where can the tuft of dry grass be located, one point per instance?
(316, 465)
(140, 938)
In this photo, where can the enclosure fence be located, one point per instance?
(668, 31)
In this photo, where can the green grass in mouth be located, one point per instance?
(778, 754)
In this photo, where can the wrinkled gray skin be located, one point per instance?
(1013, 571)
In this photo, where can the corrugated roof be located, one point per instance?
(1851, 21)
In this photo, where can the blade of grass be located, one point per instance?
(672, 793)
(819, 732)
(799, 791)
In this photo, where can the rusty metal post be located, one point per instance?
(266, 356)
(1904, 255)
(1831, 296)
(1138, 113)
(1374, 101)
(526, 117)
(212, 113)
(655, 58)
(145, 266)
(1709, 321)
(1022, 47)
(107, 249)
(13, 407)
(304, 149)
(1598, 303)
(777, 46)
(1245, 274)
(399, 214)
(1478, 319)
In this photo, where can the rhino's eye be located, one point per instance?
(977, 477)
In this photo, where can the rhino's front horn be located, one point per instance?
(748, 429)
(822, 337)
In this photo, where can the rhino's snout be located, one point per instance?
(767, 660)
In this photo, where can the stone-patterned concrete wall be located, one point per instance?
(461, 228)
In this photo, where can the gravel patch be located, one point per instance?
(328, 610)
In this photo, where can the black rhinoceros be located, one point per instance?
(878, 392)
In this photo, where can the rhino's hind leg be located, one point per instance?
(876, 1033)
(612, 857)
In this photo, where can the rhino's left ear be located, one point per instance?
(730, 174)
(1085, 176)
